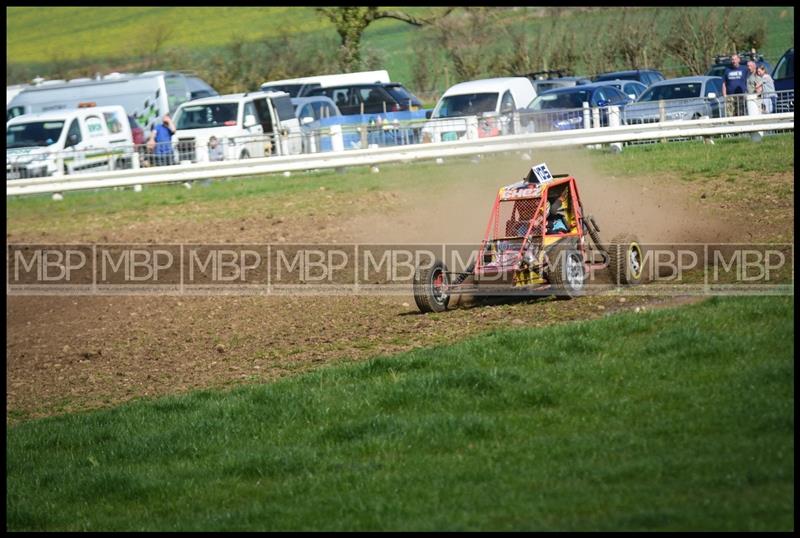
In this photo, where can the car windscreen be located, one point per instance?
(469, 104)
(561, 100)
(37, 133)
(402, 96)
(205, 116)
(685, 90)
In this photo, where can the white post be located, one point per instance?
(135, 164)
(754, 109)
(472, 127)
(595, 118)
(436, 136)
(337, 140)
(312, 142)
(586, 116)
(59, 164)
(614, 121)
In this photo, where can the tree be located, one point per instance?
(694, 40)
(350, 23)
(469, 42)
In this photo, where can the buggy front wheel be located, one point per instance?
(429, 288)
(568, 273)
(625, 260)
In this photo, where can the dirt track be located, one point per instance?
(71, 353)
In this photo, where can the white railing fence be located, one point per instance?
(188, 171)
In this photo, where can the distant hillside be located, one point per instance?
(40, 39)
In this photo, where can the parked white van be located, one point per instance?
(146, 96)
(68, 141)
(492, 101)
(299, 87)
(12, 91)
(254, 124)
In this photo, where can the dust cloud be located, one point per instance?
(656, 210)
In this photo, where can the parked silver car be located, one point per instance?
(684, 98)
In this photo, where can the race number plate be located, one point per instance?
(542, 173)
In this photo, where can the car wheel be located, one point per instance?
(429, 284)
(244, 155)
(625, 260)
(567, 274)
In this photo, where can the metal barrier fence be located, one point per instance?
(186, 149)
(616, 136)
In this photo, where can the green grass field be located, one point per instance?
(671, 419)
(39, 36)
(692, 161)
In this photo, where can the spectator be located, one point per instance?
(214, 149)
(768, 91)
(754, 89)
(160, 142)
(733, 84)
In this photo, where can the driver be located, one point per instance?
(556, 219)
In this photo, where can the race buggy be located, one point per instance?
(538, 241)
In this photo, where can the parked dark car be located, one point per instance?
(631, 88)
(685, 98)
(783, 75)
(645, 76)
(723, 61)
(375, 98)
(562, 108)
(199, 88)
(555, 78)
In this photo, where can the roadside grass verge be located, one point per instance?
(323, 190)
(670, 419)
(736, 158)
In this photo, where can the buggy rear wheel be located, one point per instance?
(625, 260)
(567, 275)
(429, 284)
